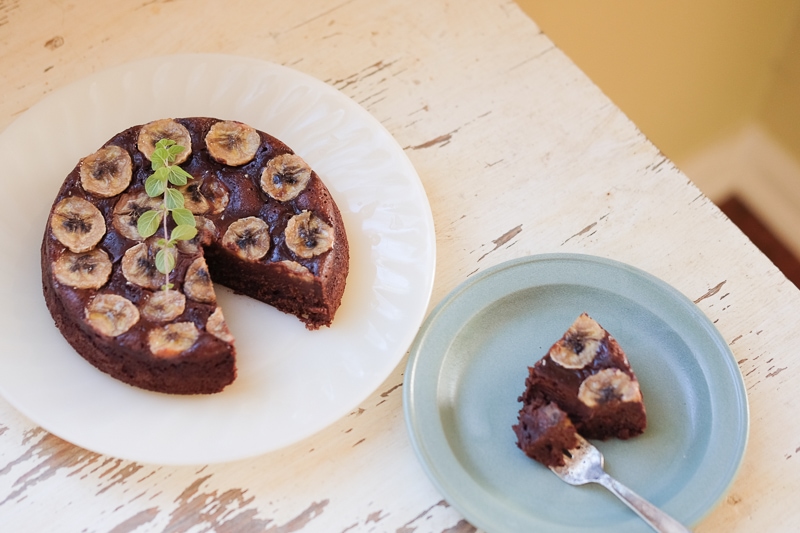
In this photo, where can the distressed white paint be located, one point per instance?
(519, 154)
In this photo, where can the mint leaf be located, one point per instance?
(148, 223)
(173, 199)
(183, 233)
(155, 186)
(183, 217)
(165, 260)
(175, 149)
(178, 176)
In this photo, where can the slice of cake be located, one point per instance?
(584, 378)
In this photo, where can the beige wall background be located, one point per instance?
(714, 84)
(687, 72)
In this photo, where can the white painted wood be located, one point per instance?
(519, 153)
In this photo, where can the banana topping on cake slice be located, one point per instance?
(580, 344)
(609, 384)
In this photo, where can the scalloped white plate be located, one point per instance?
(292, 382)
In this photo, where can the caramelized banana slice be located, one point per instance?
(297, 270)
(285, 176)
(139, 266)
(216, 326)
(172, 339)
(248, 237)
(193, 199)
(206, 232)
(218, 196)
(232, 143)
(77, 224)
(308, 235)
(86, 270)
(128, 210)
(164, 306)
(197, 284)
(580, 343)
(166, 128)
(107, 172)
(111, 314)
(609, 384)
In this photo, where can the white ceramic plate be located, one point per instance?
(292, 382)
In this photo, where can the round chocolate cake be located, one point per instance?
(128, 264)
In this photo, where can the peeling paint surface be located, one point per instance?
(519, 154)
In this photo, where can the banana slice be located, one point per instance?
(172, 339)
(206, 233)
(86, 270)
(248, 237)
(197, 283)
(216, 326)
(111, 314)
(193, 199)
(285, 176)
(77, 224)
(608, 385)
(166, 128)
(308, 235)
(128, 210)
(297, 270)
(232, 143)
(139, 266)
(107, 172)
(164, 306)
(580, 343)
(218, 196)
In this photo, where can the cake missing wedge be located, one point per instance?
(140, 228)
(583, 385)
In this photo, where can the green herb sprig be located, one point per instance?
(166, 172)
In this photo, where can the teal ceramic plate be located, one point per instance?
(468, 365)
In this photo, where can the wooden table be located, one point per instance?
(519, 154)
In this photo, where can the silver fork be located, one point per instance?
(584, 464)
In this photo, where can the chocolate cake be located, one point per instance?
(583, 384)
(266, 227)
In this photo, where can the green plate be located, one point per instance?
(469, 362)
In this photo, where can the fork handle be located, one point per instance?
(655, 517)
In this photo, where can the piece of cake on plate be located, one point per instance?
(584, 384)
